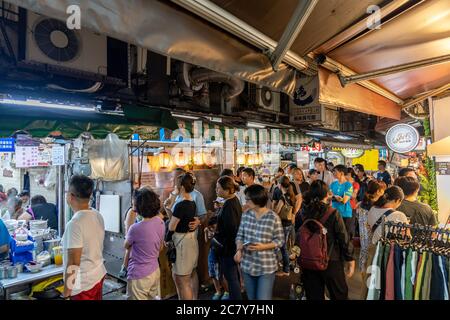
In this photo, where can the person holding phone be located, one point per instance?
(260, 235)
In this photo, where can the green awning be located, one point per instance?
(41, 122)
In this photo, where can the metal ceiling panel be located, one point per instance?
(329, 18)
(420, 33)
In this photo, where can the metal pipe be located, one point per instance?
(391, 70)
(295, 25)
(413, 101)
(233, 86)
(223, 19)
(336, 67)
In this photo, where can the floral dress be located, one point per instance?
(365, 236)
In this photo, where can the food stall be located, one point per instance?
(71, 140)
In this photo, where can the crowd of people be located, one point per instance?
(258, 218)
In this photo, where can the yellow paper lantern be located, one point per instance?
(209, 158)
(259, 159)
(165, 160)
(241, 158)
(181, 159)
(153, 163)
(251, 159)
(198, 158)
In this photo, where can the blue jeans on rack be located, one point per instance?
(259, 287)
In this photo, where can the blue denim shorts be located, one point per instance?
(213, 265)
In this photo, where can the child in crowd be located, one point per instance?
(213, 262)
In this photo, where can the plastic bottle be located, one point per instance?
(292, 293)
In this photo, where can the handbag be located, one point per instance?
(172, 250)
(286, 211)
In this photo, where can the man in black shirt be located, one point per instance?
(416, 212)
(382, 174)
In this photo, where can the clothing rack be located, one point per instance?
(419, 237)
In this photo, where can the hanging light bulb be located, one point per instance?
(181, 159)
(165, 160)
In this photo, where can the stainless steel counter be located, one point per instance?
(26, 277)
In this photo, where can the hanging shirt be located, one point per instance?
(390, 276)
(438, 285)
(375, 274)
(426, 284)
(342, 190)
(398, 265)
(407, 281)
(419, 278)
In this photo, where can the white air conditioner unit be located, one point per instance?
(264, 98)
(321, 116)
(49, 41)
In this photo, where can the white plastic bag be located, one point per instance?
(109, 158)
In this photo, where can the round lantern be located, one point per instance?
(198, 158)
(241, 158)
(181, 159)
(251, 159)
(259, 159)
(164, 159)
(153, 163)
(209, 158)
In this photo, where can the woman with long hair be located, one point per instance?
(384, 209)
(228, 220)
(375, 190)
(341, 262)
(286, 197)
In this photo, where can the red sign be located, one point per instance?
(317, 147)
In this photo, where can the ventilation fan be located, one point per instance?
(266, 97)
(56, 41)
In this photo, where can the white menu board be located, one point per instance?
(58, 153)
(27, 157)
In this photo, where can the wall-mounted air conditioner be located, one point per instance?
(49, 41)
(264, 98)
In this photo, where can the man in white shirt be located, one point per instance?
(321, 166)
(84, 268)
(248, 178)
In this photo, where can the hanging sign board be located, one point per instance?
(7, 145)
(402, 138)
(352, 153)
(27, 157)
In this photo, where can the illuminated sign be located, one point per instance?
(352, 153)
(402, 138)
